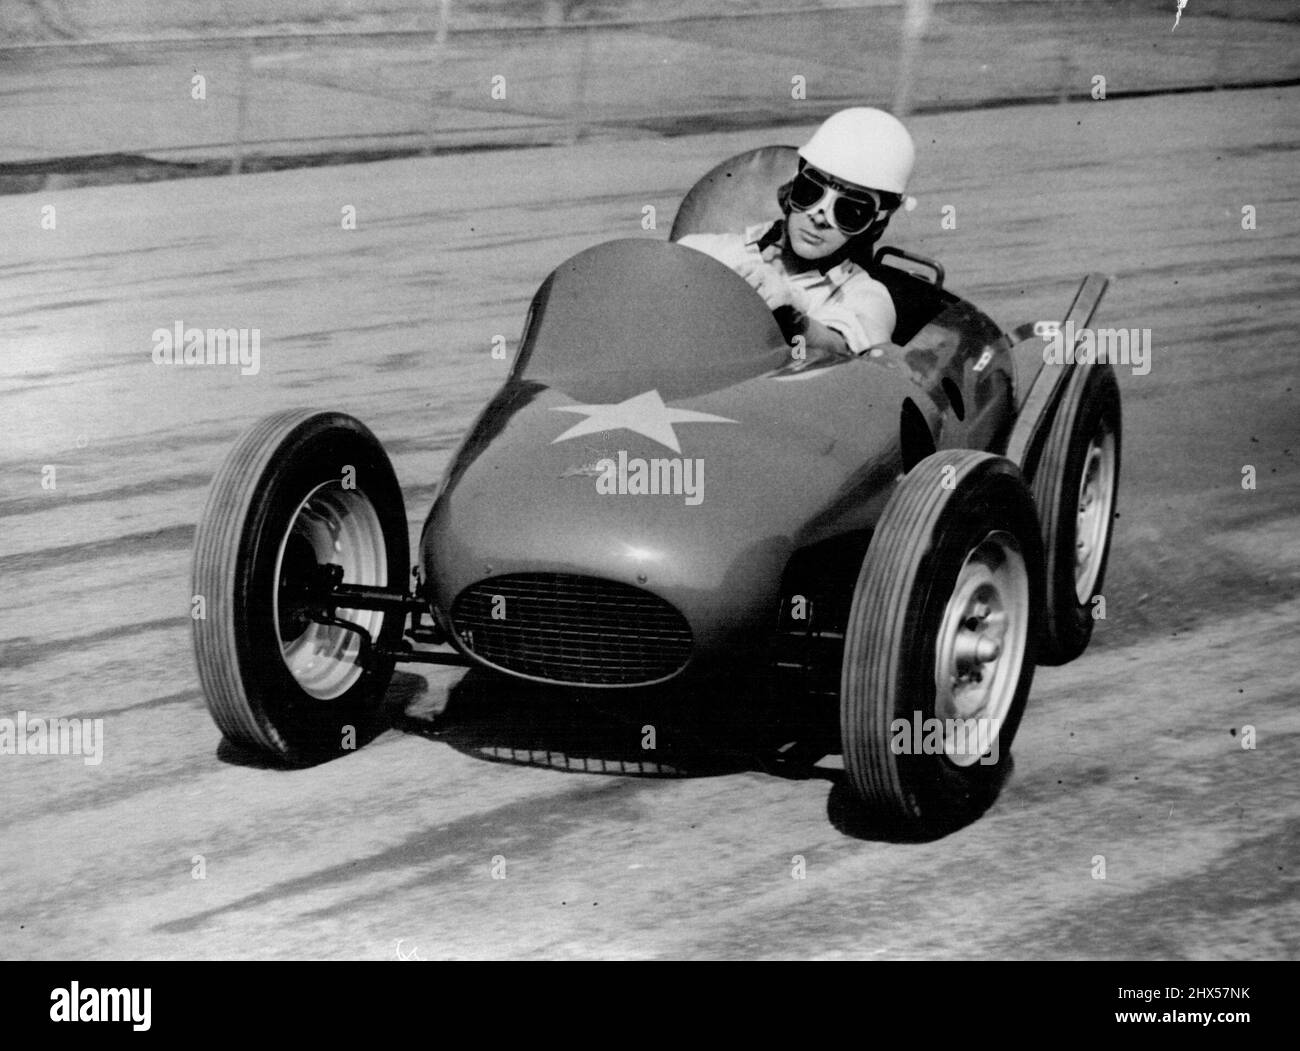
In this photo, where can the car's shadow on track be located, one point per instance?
(700, 730)
(849, 817)
(405, 691)
(680, 732)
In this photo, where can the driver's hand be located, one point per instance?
(776, 289)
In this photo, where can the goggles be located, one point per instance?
(852, 211)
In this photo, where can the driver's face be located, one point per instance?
(812, 234)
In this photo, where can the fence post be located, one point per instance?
(580, 87)
(444, 20)
(1221, 60)
(1066, 71)
(438, 95)
(241, 109)
(915, 18)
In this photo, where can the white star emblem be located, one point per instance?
(646, 414)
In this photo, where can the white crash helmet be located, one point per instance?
(864, 146)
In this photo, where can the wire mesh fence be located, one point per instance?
(360, 79)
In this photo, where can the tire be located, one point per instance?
(958, 539)
(1075, 483)
(276, 681)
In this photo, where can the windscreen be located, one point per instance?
(651, 308)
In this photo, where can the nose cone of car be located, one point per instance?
(700, 500)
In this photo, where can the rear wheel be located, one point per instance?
(1075, 483)
(304, 499)
(939, 646)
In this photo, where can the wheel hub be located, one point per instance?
(1095, 510)
(335, 534)
(980, 646)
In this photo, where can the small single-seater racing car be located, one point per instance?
(664, 488)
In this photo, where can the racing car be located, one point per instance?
(666, 489)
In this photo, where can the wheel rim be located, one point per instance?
(334, 526)
(1096, 509)
(980, 647)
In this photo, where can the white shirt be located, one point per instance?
(846, 299)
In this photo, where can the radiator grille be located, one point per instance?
(572, 629)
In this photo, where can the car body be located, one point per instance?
(806, 459)
(631, 335)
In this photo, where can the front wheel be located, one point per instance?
(303, 497)
(939, 647)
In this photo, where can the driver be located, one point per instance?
(810, 266)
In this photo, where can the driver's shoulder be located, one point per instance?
(709, 242)
(729, 248)
(854, 278)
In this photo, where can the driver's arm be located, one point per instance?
(859, 316)
(818, 338)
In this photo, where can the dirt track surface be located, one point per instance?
(1133, 752)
